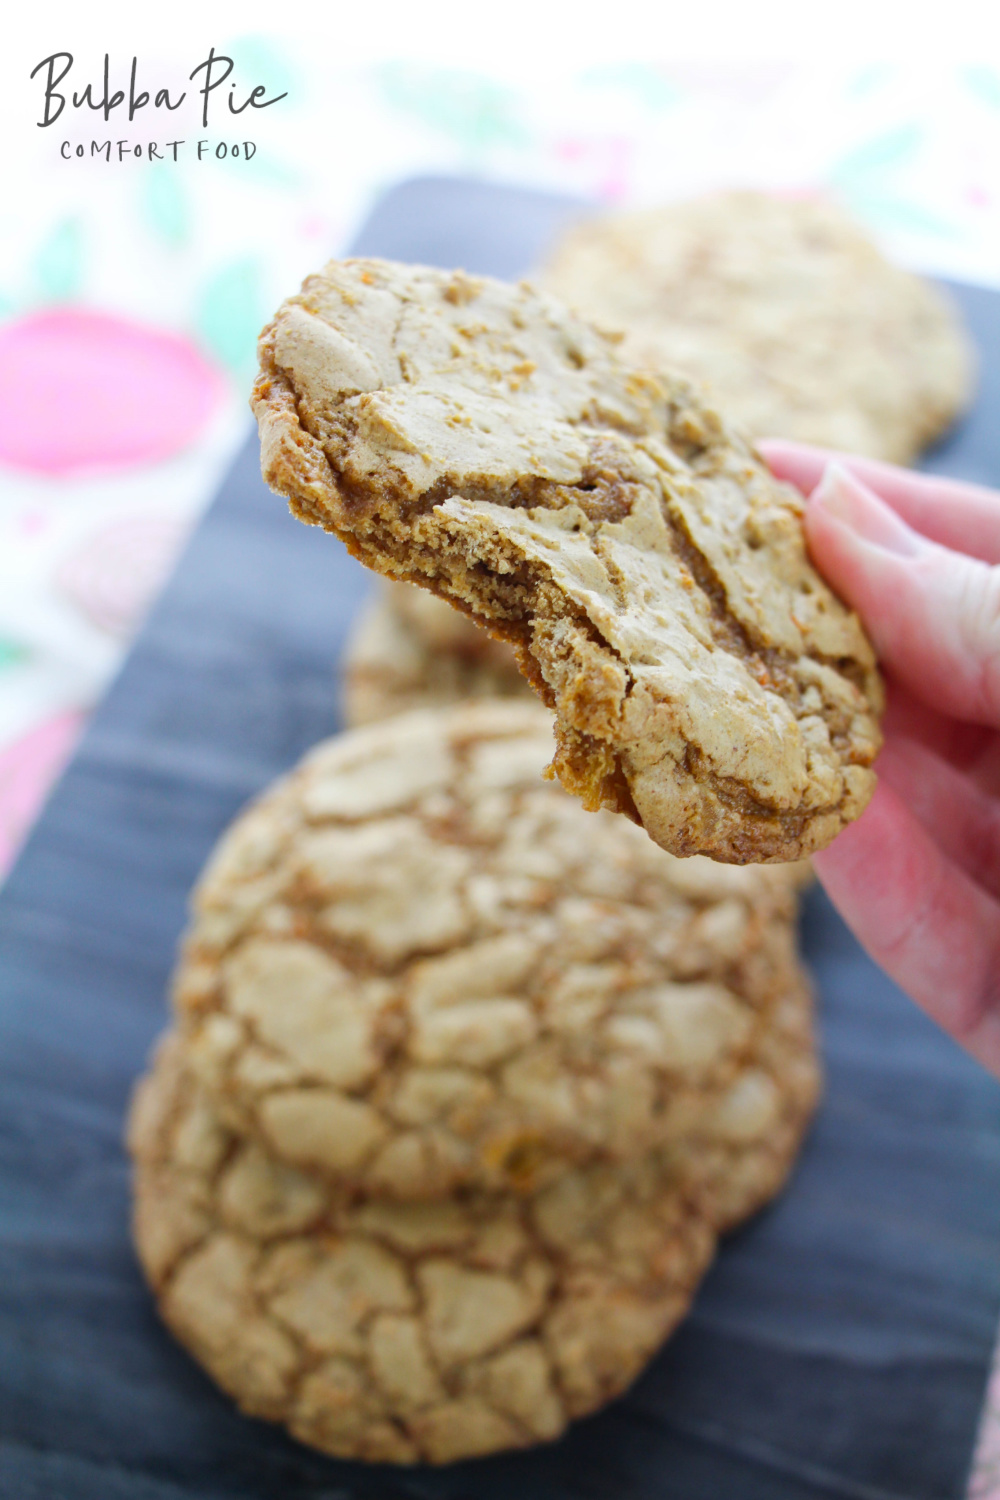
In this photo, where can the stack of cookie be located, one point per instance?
(463, 1085)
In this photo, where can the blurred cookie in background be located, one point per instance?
(410, 649)
(786, 308)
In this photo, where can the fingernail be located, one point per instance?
(854, 505)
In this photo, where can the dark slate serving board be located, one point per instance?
(839, 1347)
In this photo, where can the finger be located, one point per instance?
(933, 614)
(970, 748)
(921, 919)
(965, 517)
(963, 822)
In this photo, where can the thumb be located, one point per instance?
(933, 614)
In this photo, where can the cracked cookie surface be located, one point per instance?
(410, 649)
(800, 326)
(479, 439)
(403, 1332)
(742, 1151)
(415, 965)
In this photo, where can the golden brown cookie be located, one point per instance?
(741, 1152)
(403, 1332)
(800, 326)
(481, 440)
(414, 964)
(411, 650)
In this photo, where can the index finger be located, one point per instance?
(922, 920)
(964, 517)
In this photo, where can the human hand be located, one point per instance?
(917, 877)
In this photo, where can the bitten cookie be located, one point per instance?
(398, 1333)
(652, 576)
(411, 650)
(798, 323)
(416, 965)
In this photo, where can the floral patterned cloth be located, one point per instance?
(131, 294)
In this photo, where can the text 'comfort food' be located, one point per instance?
(481, 440)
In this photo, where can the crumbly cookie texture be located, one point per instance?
(800, 326)
(410, 649)
(403, 1332)
(479, 439)
(416, 965)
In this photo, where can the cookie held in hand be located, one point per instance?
(479, 439)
